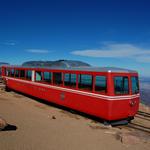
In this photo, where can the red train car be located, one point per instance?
(111, 94)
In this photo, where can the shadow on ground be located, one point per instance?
(10, 127)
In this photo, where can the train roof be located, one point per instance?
(89, 68)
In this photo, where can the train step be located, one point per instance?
(116, 123)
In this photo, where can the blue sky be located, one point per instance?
(99, 32)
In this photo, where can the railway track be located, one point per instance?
(144, 114)
(141, 123)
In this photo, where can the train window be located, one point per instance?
(121, 85)
(70, 80)
(5, 71)
(100, 84)
(22, 73)
(12, 72)
(8, 72)
(135, 85)
(28, 74)
(85, 82)
(47, 77)
(38, 76)
(57, 78)
(16, 73)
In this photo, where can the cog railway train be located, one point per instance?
(111, 94)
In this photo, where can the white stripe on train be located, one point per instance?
(77, 91)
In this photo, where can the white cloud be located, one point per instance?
(144, 59)
(9, 43)
(113, 50)
(39, 51)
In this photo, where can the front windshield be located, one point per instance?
(135, 85)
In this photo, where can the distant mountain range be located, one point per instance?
(145, 90)
(3, 63)
(57, 63)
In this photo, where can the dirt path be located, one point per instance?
(44, 127)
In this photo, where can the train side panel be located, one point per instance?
(83, 103)
(78, 100)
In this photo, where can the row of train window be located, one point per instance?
(85, 81)
(121, 83)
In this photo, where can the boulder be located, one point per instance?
(3, 123)
(53, 117)
(129, 139)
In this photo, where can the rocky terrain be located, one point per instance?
(3, 63)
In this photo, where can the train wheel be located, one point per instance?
(7, 89)
(106, 123)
